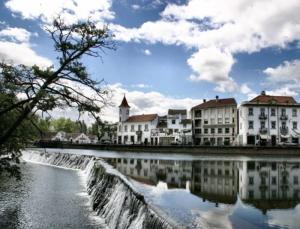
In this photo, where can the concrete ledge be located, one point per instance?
(193, 150)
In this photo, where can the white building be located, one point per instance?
(215, 122)
(135, 129)
(269, 120)
(174, 128)
(72, 137)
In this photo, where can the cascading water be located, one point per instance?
(112, 196)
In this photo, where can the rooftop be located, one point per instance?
(142, 118)
(124, 103)
(216, 103)
(176, 111)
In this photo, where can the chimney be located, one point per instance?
(217, 98)
(204, 100)
(263, 93)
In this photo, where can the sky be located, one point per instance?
(170, 54)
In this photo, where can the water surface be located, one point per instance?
(46, 197)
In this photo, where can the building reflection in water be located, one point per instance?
(263, 184)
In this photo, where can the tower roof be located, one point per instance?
(124, 103)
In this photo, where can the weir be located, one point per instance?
(112, 195)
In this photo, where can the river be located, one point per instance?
(192, 191)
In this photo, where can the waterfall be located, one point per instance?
(112, 195)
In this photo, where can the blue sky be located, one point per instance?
(171, 53)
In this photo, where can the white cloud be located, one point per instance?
(15, 34)
(227, 27)
(213, 65)
(147, 52)
(284, 90)
(145, 102)
(285, 78)
(21, 53)
(135, 6)
(141, 85)
(287, 71)
(71, 11)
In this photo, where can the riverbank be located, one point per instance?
(193, 150)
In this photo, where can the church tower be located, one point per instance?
(124, 110)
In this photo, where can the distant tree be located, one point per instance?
(100, 128)
(66, 84)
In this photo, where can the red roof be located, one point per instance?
(142, 118)
(124, 103)
(272, 99)
(216, 103)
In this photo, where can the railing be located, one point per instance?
(263, 130)
(262, 116)
(139, 132)
(284, 130)
(283, 117)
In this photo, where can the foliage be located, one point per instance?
(44, 89)
(101, 128)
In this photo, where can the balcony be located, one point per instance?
(263, 130)
(139, 133)
(283, 117)
(262, 116)
(284, 130)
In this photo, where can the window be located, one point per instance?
(127, 112)
(227, 120)
(273, 112)
(226, 130)
(262, 110)
(274, 194)
(273, 124)
(139, 127)
(125, 128)
(173, 121)
(274, 180)
(205, 121)
(251, 194)
(120, 128)
(212, 130)
(206, 131)
(220, 121)
(296, 180)
(250, 111)
(212, 121)
(295, 125)
(146, 127)
(294, 112)
(250, 125)
(251, 181)
(283, 111)
(132, 128)
(262, 124)
(220, 131)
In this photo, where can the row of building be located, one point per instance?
(264, 120)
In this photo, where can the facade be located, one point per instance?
(215, 122)
(135, 129)
(71, 137)
(269, 120)
(174, 128)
